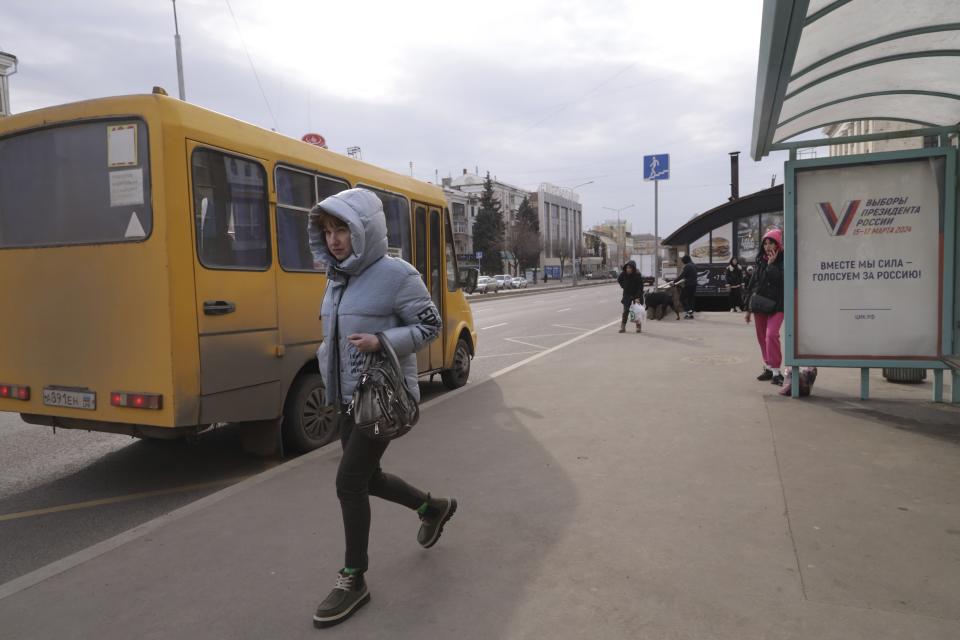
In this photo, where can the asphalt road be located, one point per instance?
(63, 491)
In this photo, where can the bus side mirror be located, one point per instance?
(468, 279)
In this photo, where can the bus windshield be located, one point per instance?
(85, 183)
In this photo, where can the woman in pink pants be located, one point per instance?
(766, 304)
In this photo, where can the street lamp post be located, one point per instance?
(575, 236)
(176, 42)
(619, 231)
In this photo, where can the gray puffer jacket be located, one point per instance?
(369, 292)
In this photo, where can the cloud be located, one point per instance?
(556, 91)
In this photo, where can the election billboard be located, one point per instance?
(869, 260)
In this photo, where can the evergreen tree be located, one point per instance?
(524, 236)
(488, 231)
(528, 216)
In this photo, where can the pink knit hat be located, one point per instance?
(777, 236)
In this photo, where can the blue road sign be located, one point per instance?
(656, 167)
(479, 254)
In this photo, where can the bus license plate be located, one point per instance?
(70, 399)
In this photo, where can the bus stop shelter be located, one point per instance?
(887, 215)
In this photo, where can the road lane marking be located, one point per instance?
(564, 309)
(526, 344)
(503, 355)
(567, 326)
(493, 326)
(118, 499)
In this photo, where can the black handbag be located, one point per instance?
(762, 304)
(383, 408)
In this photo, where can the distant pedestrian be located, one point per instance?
(368, 292)
(766, 304)
(734, 277)
(688, 277)
(631, 282)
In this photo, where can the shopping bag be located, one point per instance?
(808, 376)
(637, 312)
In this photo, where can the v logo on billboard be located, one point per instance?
(837, 225)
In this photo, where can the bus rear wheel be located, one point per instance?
(457, 375)
(308, 421)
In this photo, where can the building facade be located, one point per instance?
(463, 195)
(561, 228)
(865, 127)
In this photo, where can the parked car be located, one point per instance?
(519, 283)
(504, 281)
(486, 284)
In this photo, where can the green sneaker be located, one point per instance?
(431, 522)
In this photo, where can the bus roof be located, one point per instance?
(195, 118)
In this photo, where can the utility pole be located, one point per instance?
(176, 41)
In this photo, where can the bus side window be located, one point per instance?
(230, 211)
(297, 193)
(397, 211)
(451, 254)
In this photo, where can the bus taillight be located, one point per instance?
(15, 391)
(136, 400)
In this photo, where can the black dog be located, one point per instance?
(657, 302)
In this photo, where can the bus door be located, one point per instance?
(235, 287)
(428, 240)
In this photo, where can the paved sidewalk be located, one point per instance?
(660, 492)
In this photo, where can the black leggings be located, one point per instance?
(687, 296)
(736, 301)
(359, 476)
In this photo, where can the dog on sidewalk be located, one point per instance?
(657, 302)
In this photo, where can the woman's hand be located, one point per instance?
(746, 317)
(364, 342)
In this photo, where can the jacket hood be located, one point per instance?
(362, 211)
(630, 263)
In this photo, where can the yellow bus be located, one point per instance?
(157, 278)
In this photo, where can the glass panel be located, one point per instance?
(79, 184)
(451, 256)
(293, 241)
(397, 212)
(748, 239)
(435, 239)
(721, 246)
(230, 211)
(768, 221)
(700, 250)
(420, 224)
(295, 188)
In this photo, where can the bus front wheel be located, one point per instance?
(457, 375)
(308, 421)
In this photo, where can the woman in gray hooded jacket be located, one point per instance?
(368, 292)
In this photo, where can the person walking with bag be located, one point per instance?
(734, 277)
(368, 292)
(631, 282)
(765, 303)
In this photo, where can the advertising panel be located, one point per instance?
(721, 244)
(748, 239)
(700, 250)
(869, 260)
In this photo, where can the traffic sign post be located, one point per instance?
(656, 168)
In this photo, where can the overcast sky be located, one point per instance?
(557, 91)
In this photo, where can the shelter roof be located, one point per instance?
(828, 61)
(759, 202)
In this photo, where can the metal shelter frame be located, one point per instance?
(824, 62)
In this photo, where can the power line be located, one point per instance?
(250, 59)
(578, 99)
